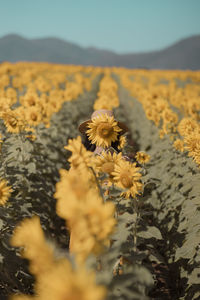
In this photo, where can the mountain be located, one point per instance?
(184, 54)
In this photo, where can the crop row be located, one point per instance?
(118, 222)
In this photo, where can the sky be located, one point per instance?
(122, 26)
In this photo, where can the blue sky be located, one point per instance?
(119, 25)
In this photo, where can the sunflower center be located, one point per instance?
(34, 117)
(126, 180)
(31, 102)
(75, 163)
(104, 130)
(108, 167)
(12, 122)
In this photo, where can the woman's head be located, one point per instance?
(83, 127)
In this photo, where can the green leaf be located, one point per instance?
(151, 232)
(31, 167)
(1, 223)
(188, 249)
(194, 277)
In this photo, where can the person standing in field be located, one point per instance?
(98, 149)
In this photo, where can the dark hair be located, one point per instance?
(88, 145)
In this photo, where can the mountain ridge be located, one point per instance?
(184, 54)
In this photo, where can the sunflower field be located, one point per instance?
(99, 183)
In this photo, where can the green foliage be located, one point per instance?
(158, 231)
(174, 199)
(32, 169)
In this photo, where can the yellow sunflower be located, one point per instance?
(126, 176)
(30, 99)
(29, 235)
(142, 157)
(33, 115)
(5, 191)
(11, 94)
(103, 130)
(105, 163)
(92, 228)
(193, 145)
(68, 284)
(4, 104)
(80, 157)
(72, 192)
(188, 126)
(12, 121)
(122, 142)
(102, 104)
(179, 145)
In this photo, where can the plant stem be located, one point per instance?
(98, 185)
(135, 208)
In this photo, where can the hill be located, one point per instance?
(184, 54)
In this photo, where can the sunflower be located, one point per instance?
(102, 104)
(12, 121)
(188, 126)
(30, 99)
(69, 283)
(162, 133)
(33, 115)
(72, 192)
(196, 158)
(103, 130)
(5, 191)
(4, 104)
(11, 94)
(29, 235)
(169, 116)
(122, 142)
(126, 176)
(92, 228)
(179, 145)
(80, 156)
(142, 157)
(105, 163)
(192, 144)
